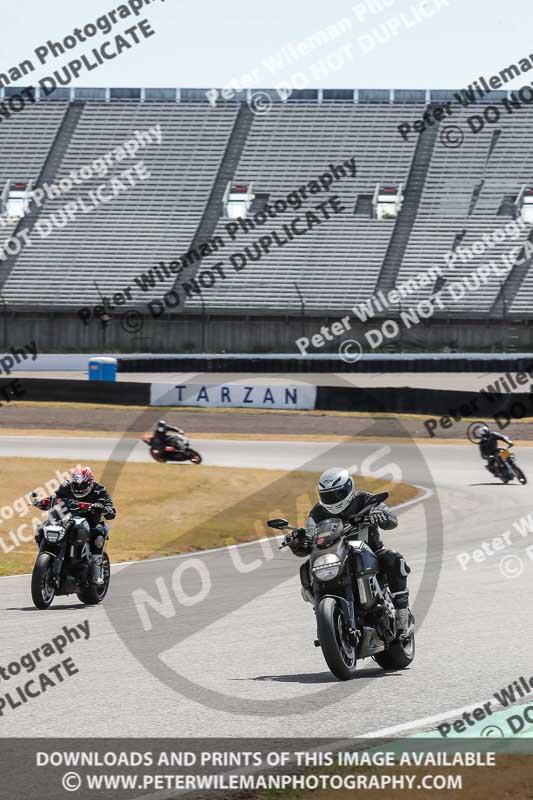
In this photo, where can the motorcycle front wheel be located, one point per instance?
(519, 474)
(193, 456)
(504, 472)
(93, 595)
(42, 589)
(340, 653)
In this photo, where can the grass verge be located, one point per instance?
(165, 510)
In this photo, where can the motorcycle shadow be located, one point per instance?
(494, 483)
(73, 607)
(326, 677)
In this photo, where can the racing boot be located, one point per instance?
(96, 573)
(401, 604)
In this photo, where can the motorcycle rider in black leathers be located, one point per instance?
(82, 487)
(488, 445)
(162, 437)
(339, 499)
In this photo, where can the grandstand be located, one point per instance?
(451, 197)
(111, 245)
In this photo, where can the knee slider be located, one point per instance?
(390, 559)
(405, 569)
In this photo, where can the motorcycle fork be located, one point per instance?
(347, 606)
(57, 565)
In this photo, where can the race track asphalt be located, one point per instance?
(221, 644)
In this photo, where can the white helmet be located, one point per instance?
(336, 490)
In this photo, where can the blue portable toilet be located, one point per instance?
(103, 369)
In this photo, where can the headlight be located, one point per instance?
(54, 533)
(327, 567)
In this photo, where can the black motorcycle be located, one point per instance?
(505, 468)
(177, 450)
(63, 564)
(355, 615)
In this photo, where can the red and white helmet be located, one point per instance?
(81, 480)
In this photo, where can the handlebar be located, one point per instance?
(71, 504)
(289, 538)
(349, 528)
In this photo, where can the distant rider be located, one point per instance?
(488, 445)
(82, 487)
(166, 435)
(339, 499)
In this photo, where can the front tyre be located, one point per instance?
(193, 456)
(339, 652)
(92, 595)
(43, 590)
(520, 475)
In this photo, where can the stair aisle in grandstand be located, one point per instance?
(47, 175)
(337, 263)
(412, 195)
(25, 141)
(211, 216)
(467, 195)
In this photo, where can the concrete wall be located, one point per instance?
(65, 333)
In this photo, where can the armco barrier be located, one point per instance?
(72, 391)
(279, 363)
(433, 402)
(391, 399)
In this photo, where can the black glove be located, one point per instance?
(377, 517)
(98, 508)
(71, 504)
(295, 538)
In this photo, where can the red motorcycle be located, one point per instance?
(173, 453)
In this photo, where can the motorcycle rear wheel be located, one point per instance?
(42, 589)
(399, 654)
(339, 653)
(93, 595)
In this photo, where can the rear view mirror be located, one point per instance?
(279, 524)
(375, 501)
(380, 498)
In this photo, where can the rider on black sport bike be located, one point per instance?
(82, 487)
(488, 446)
(166, 435)
(339, 499)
